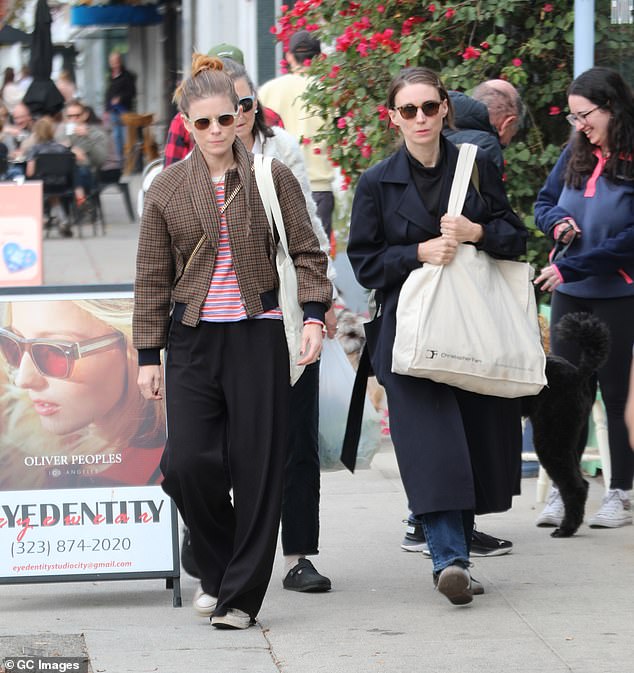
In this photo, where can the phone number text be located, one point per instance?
(46, 547)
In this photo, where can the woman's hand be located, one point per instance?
(150, 381)
(549, 278)
(439, 251)
(312, 338)
(567, 229)
(460, 228)
(80, 155)
(81, 129)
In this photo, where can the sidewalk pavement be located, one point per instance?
(553, 605)
(96, 260)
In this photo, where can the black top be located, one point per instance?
(122, 86)
(429, 181)
(50, 147)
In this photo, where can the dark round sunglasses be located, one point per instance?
(430, 109)
(203, 123)
(53, 358)
(247, 103)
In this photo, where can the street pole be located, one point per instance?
(584, 36)
(187, 46)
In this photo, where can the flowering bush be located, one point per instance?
(527, 42)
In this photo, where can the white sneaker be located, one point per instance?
(204, 604)
(59, 214)
(615, 510)
(553, 513)
(234, 619)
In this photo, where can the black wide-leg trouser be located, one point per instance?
(227, 388)
(300, 502)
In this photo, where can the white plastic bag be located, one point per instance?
(336, 378)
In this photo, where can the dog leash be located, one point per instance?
(560, 248)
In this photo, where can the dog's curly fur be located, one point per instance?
(560, 411)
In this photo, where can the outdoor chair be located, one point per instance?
(92, 208)
(111, 177)
(4, 165)
(57, 173)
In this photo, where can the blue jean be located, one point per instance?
(117, 132)
(15, 172)
(448, 536)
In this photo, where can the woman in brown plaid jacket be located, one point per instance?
(206, 290)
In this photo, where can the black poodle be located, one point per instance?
(560, 411)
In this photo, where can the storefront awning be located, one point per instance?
(119, 15)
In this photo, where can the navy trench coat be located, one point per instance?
(456, 450)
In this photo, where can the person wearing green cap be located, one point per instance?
(284, 95)
(225, 50)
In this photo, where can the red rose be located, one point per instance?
(470, 52)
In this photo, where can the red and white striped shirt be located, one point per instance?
(223, 302)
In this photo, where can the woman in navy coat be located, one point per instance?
(458, 452)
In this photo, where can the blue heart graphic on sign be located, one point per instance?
(17, 258)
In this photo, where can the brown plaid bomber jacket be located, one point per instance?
(178, 242)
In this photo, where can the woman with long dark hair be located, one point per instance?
(587, 203)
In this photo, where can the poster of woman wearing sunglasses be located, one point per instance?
(71, 414)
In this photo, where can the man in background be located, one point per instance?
(120, 95)
(489, 118)
(284, 95)
(88, 142)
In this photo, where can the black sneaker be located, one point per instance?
(304, 577)
(64, 230)
(414, 539)
(487, 545)
(187, 557)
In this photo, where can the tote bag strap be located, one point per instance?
(461, 178)
(266, 187)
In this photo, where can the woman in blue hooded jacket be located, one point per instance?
(587, 204)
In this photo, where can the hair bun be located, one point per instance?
(202, 62)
